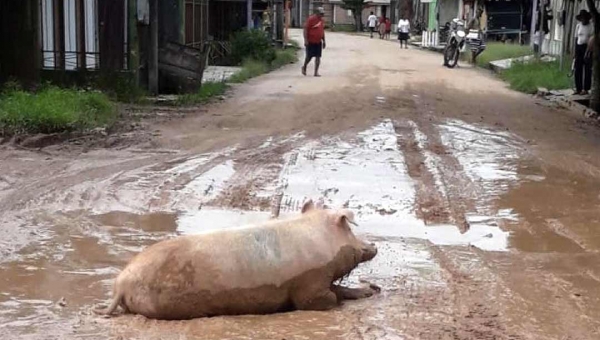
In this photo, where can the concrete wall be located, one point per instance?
(342, 16)
(448, 9)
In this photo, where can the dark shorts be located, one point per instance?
(314, 50)
(403, 36)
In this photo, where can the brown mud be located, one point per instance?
(483, 204)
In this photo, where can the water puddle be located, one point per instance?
(113, 219)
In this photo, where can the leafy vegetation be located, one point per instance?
(252, 44)
(528, 77)
(250, 69)
(284, 57)
(253, 68)
(53, 109)
(207, 91)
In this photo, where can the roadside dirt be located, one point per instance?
(483, 204)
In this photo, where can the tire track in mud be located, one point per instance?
(432, 207)
(437, 174)
(259, 179)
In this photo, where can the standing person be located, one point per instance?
(388, 28)
(381, 27)
(541, 28)
(314, 39)
(403, 31)
(372, 22)
(583, 70)
(475, 38)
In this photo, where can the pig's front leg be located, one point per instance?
(345, 293)
(316, 300)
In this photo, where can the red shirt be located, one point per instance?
(315, 29)
(388, 24)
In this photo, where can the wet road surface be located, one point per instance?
(483, 204)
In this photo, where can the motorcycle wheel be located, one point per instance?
(450, 54)
(453, 58)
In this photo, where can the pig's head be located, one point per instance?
(337, 224)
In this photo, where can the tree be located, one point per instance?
(595, 99)
(356, 7)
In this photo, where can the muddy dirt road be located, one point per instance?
(483, 203)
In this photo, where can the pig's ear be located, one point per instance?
(308, 206)
(345, 217)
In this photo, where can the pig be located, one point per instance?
(281, 265)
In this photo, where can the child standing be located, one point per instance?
(403, 30)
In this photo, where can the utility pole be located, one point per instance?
(153, 49)
(287, 22)
(533, 23)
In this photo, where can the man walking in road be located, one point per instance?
(314, 39)
(372, 22)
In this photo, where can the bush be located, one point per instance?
(208, 91)
(284, 57)
(53, 110)
(252, 44)
(527, 77)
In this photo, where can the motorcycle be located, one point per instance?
(455, 43)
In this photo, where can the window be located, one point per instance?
(196, 28)
(70, 34)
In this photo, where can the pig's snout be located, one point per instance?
(368, 251)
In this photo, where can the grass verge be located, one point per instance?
(52, 110)
(527, 77)
(498, 51)
(207, 91)
(253, 68)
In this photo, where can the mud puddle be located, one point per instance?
(91, 229)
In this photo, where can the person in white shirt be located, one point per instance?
(403, 31)
(583, 70)
(372, 23)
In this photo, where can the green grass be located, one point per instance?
(284, 57)
(527, 77)
(498, 51)
(52, 110)
(207, 91)
(252, 68)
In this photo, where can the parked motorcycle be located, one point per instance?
(455, 43)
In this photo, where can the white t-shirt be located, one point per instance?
(372, 20)
(403, 26)
(584, 33)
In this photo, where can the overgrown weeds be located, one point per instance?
(528, 77)
(253, 68)
(208, 91)
(52, 109)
